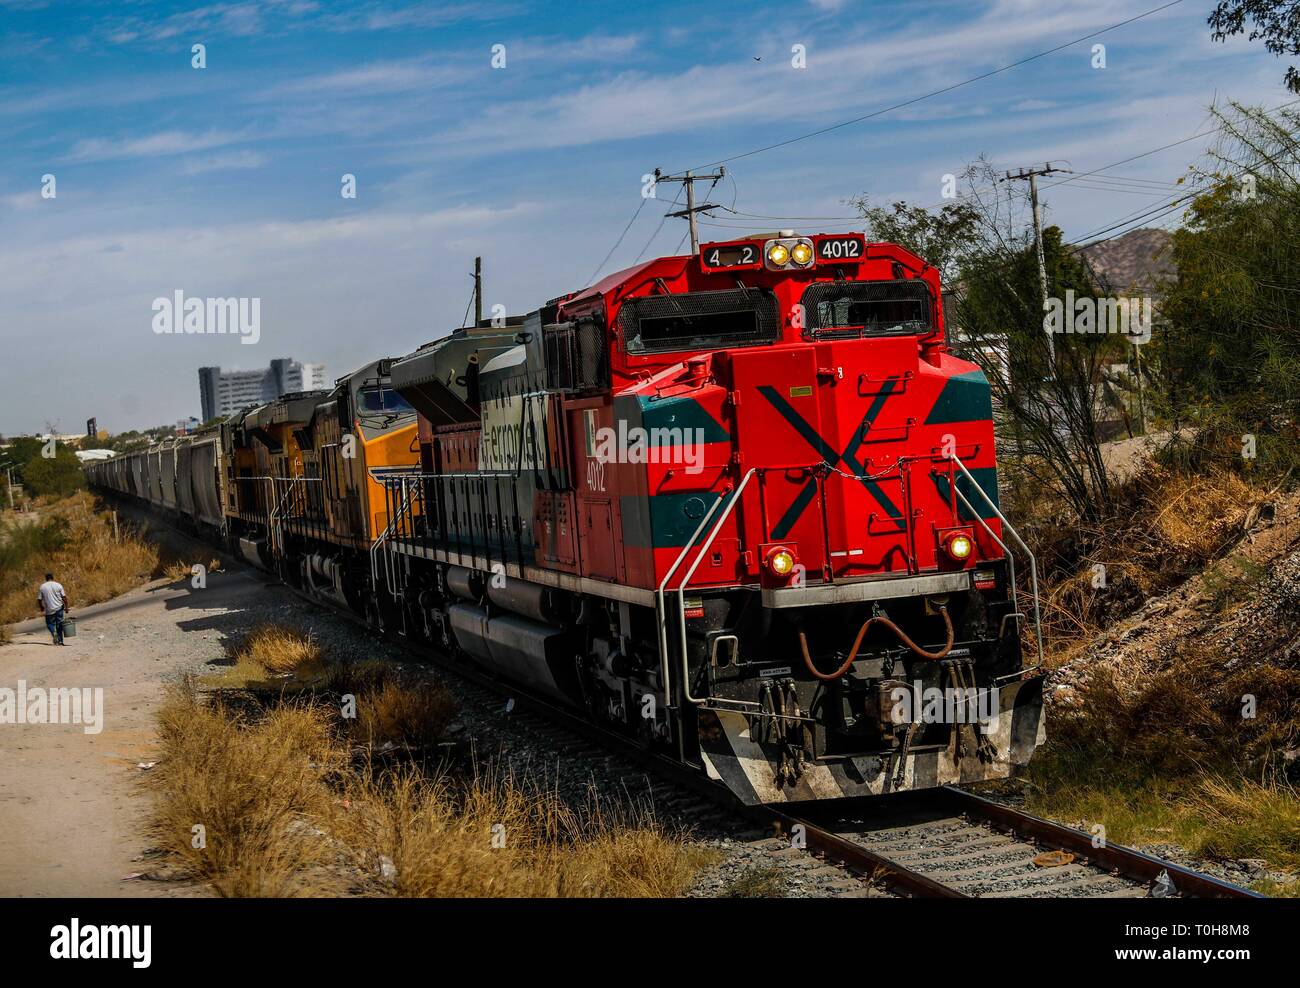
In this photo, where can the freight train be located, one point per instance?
(741, 505)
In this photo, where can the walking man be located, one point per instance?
(54, 602)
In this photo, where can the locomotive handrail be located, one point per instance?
(273, 523)
(1009, 528)
(661, 611)
(495, 534)
(389, 573)
(681, 596)
(275, 516)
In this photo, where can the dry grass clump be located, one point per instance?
(1247, 820)
(1166, 527)
(258, 789)
(288, 812)
(1200, 713)
(74, 541)
(414, 716)
(279, 649)
(273, 656)
(365, 676)
(496, 837)
(384, 711)
(756, 882)
(178, 569)
(1198, 516)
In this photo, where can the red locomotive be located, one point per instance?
(741, 503)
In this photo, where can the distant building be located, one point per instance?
(226, 392)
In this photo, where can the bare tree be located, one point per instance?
(1048, 397)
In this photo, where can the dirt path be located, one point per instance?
(72, 811)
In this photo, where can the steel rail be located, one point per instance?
(1125, 861)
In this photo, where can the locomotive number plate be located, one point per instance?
(840, 250)
(730, 256)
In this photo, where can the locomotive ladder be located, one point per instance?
(275, 523)
(1009, 529)
(661, 607)
(386, 536)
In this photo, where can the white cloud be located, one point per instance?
(22, 200)
(228, 161)
(1032, 105)
(167, 142)
(369, 79)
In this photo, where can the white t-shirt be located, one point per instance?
(52, 596)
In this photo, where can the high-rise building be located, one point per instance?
(226, 392)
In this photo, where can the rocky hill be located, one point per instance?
(1137, 261)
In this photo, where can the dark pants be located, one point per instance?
(55, 623)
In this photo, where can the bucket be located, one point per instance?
(69, 627)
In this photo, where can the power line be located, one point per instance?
(662, 220)
(1162, 147)
(592, 280)
(1149, 214)
(1152, 214)
(464, 321)
(938, 92)
(761, 216)
(1092, 180)
(1125, 190)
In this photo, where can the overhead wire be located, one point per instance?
(941, 91)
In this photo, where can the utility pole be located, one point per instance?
(1031, 174)
(688, 179)
(478, 290)
(1142, 408)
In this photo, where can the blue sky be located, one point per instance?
(224, 181)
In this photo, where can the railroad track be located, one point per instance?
(950, 843)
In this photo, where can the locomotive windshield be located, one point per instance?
(383, 399)
(698, 321)
(888, 308)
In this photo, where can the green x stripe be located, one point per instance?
(848, 457)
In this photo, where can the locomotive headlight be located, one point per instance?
(959, 546)
(780, 561)
(801, 253)
(778, 254)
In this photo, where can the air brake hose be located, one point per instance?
(862, 632)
